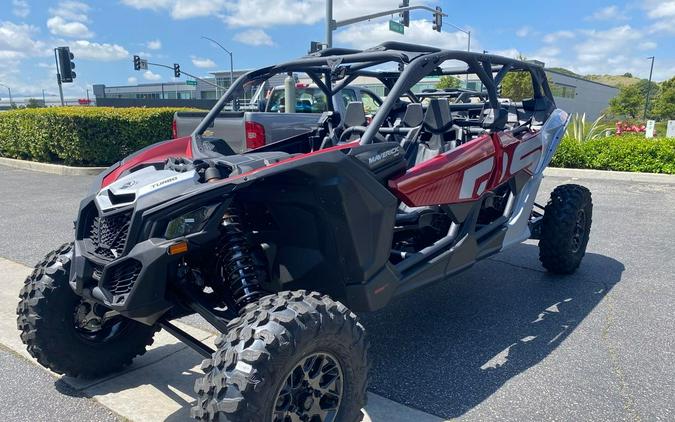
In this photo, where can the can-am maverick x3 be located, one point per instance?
(277, 246)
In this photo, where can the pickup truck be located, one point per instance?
(244, 130)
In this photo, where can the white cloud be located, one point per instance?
(558, 35)
(419, 32)
(262, 13)
(100, 52)
(203, 63)
(58, 26)
(523, 31)
(69, 19)
(647, 45)
(254, 37)
(609, 13)
(151, 76)
(132, 80)
(663, 15)
(20, 8)
(154, 45)
(180, 9)
(660, 9)
(16, 41)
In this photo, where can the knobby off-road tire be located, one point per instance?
(565, 228)
(46, 319)
(263, 346)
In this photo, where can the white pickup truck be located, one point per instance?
(244, 130)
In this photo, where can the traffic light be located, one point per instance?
(315, 46)
(137, 63)
(438, 19)
(176, 70)
(405, 16)
(66, 65)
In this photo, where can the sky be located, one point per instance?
(588, 37)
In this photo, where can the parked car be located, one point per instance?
(277, 247)
(245, 130)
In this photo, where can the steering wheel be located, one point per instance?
(344, 137)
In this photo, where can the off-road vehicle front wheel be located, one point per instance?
(292, 356)
(566, 226)
(68, 334)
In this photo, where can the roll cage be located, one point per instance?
(335, 68)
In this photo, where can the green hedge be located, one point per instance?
(619, 153)
(88, 136)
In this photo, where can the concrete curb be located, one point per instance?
(611, 175)
(50, 168)
(158, 386)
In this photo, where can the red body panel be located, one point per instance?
(439, 180)
(466, 172)
(181, 147)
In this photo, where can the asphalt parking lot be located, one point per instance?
(504, 340)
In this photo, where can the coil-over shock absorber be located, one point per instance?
(237, 263)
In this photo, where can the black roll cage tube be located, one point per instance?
(419, 61)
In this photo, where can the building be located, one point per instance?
(572, 93)
(199, 93)
(578, 95)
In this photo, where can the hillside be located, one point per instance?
(614, 80)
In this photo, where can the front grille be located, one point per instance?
(108, 234)
(120, 279)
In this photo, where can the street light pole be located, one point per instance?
(329, 23)
(10, 94)
(332, 25)
(228, 52)
(649, 87)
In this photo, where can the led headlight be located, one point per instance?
(190, 222)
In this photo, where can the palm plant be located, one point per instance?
(579, 131)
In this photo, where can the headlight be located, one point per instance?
(190, 222)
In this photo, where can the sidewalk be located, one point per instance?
(158, 386)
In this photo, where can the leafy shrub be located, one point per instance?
(619, 153)
(81, 135)
(579, 131)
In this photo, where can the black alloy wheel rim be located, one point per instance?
(579, 230)
(311, 392)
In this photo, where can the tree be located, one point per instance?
(33, 103)
(664, 104)
(517, 85)
(627, 75)
(629, 102)
(446, 82)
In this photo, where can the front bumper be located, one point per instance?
(133, 285)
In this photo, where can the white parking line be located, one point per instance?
(158, 386)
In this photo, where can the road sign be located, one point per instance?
(193, 83)
(649, 133)
(670, 133)
(396, 27)
(144, 64)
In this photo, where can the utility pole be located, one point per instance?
(332, 25)
(649, 86)
(10, 94)
(44, 101)
(228, 52)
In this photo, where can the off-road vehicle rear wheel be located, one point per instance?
(292, 356)
(70, 335)
(565, 228)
